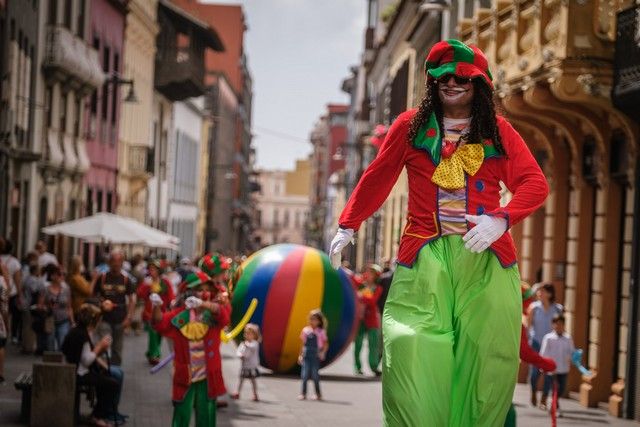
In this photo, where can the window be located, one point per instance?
(68, 5)
(63, 113)
(53, 12)
(48, 101)
(99, 201)
(89, 209)
(116, 89)
(109, 202)
(276, 218)
(80, 26)
(297, 220)
(76, 117)
(285, 221)
(106, 55)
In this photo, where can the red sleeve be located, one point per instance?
(532, 357)
(164, 326)
(523, 178)
(380, 177)
(143, 291)
(168, 295)
(223, 316)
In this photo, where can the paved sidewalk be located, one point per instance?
(350, 401)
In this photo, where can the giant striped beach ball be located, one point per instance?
(289, 281)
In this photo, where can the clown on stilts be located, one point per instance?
(195, 327)
(452, 320)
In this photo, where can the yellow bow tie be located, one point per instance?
(450, 172)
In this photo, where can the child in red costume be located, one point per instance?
(154, 283)
(368, 295)
(195, 327)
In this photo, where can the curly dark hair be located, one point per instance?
(483, 114)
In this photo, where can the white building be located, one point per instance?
(283, 205)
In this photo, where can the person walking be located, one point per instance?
(117, 295)
(557, 345)
(57, 297)
(448, 358)
(540, 319)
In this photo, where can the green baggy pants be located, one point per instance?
(373, 335)
(205, 408)
(451, 328)
(153, 346)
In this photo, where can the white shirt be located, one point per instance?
(12, 265)
(559, 348)
(86, 359)
(249, 349)
(46, 259)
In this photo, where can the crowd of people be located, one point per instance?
(85, 314)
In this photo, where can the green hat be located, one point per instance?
(454, 57)
(214, 264)
(196, 279)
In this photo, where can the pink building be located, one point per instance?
(106, 35)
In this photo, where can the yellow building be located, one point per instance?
(552, 63)
(136, 133)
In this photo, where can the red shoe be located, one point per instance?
(235, 396)
(221, 403)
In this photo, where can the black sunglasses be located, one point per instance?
(459, 80)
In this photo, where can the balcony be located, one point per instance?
(626, 87)
(181, 44)
(70, 60)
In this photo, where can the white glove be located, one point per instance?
(155, 299)
(193, 302)
(488, 229)
(343, 237)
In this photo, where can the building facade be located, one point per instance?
(553, 69)
(328, 138)
(177, 124)
(283, 205)
(19, 149)
(105, 33)
(230, 92)
(71, 70)
(625, 96)
(136, 125)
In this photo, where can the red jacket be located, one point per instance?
(166, 293)
(370, 302)
(518, 170)
(169, 327)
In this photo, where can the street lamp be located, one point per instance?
(131, 97)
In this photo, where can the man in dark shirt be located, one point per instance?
(117, 295)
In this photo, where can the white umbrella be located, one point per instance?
(105, 227)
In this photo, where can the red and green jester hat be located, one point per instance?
(182, 325)
(429, 168)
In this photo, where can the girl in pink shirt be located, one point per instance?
(314, 349)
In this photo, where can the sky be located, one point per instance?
(299, 51)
